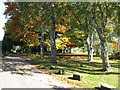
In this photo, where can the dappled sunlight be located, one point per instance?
(26, 75)
(72, 41)
(91, 70)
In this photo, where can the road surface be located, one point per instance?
(17, 73)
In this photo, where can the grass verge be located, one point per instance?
(90, 70)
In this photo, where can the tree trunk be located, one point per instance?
(104, 52)
(52, 37)
(63, 51)
(69, 50)
(42, 43)
(119, 44)
(0, 48)
(89, 47)
(98, 52)
(28, 49)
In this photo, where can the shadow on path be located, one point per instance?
(22, 74)
(18, 66)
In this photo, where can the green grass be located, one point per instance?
(1, 56)
(91, 70)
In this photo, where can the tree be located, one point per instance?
(117, 25)
(52, 34)
(81, 15)
(42, 42)
(102, 15)
(18, 29)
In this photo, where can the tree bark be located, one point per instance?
(119, 44)
(69, 50)
(104, 52)
(42, 43)
(0, 48)
(89, 47)
(28, 49)
(52, 37)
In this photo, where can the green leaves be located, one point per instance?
(74, 20)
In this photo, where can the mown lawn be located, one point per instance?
(0, 56)
(79, 65)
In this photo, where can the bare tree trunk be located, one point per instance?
(42, 43)
(53, 45)
(104, 52)
(119, 44)
(89, 47)
(28, 49)
(0, 48)
(52, 37)
(69, 50)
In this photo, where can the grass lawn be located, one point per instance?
(78, 65)
(0, 56)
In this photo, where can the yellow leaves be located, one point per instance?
(61, 28)
(65, 4)
(65, 18)
(47, 42)
(60, 44)
(21, 39)
(17, 30)
(32, 24)
(70, 14)
(30, 45)
(38, 18)
(109, 29)
(61, 47)
(31, 34)
(28, 26)
(64, 42)
(65, 39)
(58, 41)
(31, 38)
(45, 32)
(46, 27)
(115, 46)
(33, 44)
(114, 41)
(78, 22)
(14, 24)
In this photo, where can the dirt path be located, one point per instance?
(17, 73)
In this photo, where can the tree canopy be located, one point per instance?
(58, 25)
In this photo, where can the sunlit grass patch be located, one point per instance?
(92, 71)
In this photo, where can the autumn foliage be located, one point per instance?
(17, 29)
(26, 27)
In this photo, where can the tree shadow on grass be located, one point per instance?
(81, 66)
(95, 70)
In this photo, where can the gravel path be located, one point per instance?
(17, 73)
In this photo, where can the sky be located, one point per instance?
(2, 19)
